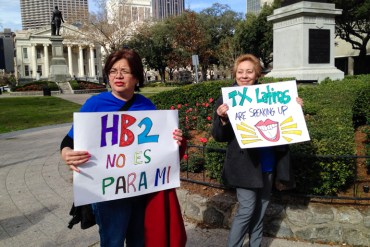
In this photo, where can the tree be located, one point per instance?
(353, 26)
(228, 51)
(255, 34)
(220, 22)
(190, 37)
(109, 27)
(154, 43)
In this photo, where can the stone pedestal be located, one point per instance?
(58, 67)
(304, 41)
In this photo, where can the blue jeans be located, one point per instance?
(121, 220)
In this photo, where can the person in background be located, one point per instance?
(251, 171)
(122, 221)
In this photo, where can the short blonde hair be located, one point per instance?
(248, 57)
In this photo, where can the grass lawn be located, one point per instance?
(149, 91)
(18, 113)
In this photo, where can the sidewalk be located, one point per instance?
(36, 195)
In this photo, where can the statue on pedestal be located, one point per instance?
(56, 21)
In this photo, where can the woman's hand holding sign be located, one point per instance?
(74, 158)
(177, 135)
(222, 112)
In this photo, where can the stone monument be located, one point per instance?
(58, 65)
(303, 40)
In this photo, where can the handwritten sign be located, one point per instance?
(266, 115)
(132, 153)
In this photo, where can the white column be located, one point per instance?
(46, 60)
(98, 59)
(80, 62)
(70, 68)
(33, 60)
(92, 61)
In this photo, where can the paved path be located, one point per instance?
(36, 195)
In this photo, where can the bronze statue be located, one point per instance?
(56, 21)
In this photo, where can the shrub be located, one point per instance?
(272, 79)
(215, 158)
(331, 109)
(194, 102)
(328, 109)
(367, 147)
(193, 163)
(83, 85)
(361, 109)
(37, 86)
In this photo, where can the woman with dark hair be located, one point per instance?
(251, 171)
(122, 221)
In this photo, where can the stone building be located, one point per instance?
(165, 8)
(34, 54)
(7, 50)
(255, 6)
(36, 14)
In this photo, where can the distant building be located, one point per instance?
(36, 14)
(347, 58)
(34, 54)
(254, 6)
(134, 11)
(165, 8)
(129, 11)
(7, 50)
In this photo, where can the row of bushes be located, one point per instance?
(84, 85)
(40, 85)
(333, 109)
(36, 86)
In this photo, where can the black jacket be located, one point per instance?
(242, 168)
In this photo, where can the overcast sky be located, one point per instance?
(10, 16)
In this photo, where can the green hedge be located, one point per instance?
(37, 86)
(215, 159)
(332, 110)
(195, 103)
(83, 85)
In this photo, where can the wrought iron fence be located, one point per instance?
(360, 185)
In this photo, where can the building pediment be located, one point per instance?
(67, 30)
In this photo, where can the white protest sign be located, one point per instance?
(132, 153)
(266, 115)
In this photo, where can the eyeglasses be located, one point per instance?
(114, 72)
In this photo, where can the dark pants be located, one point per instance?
(249, 217)
(121, 220)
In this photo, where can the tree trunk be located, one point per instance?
(170, 74)
(204, 73)
(162, 73)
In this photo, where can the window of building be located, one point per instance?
(25, 54)
(147, 13)
(38, 53)
(168, 7)
(39, 69)
(135, 15)
(26, 70)
(94, 53)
